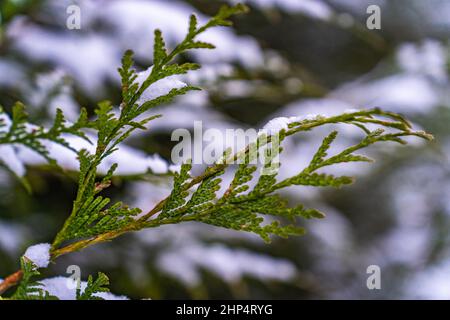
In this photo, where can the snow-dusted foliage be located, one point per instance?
(390, 219)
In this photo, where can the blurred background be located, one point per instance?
(284, 58)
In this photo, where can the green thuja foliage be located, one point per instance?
(91, 215)
(93, 287)
(29, 289)
(21, 132)
(249, 203)
(246, 208)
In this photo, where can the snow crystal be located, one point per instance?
(65, 289)
(39, 254)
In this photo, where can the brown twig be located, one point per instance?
(11, 281)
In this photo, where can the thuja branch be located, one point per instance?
(90, 217)
(244, 206)
(90, 209)
(393, 121)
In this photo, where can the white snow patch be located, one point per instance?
(312, 8)
(157, 164)
(282, 123)
(159, 88)
(140, 18)
(405, 92)
(429, 58)
(65, 289)
(130, 161)
(90, 58)
(228, 264)
(9, 158)
(175, 168)
(39, 254)
(53, 91)
(431, 283)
